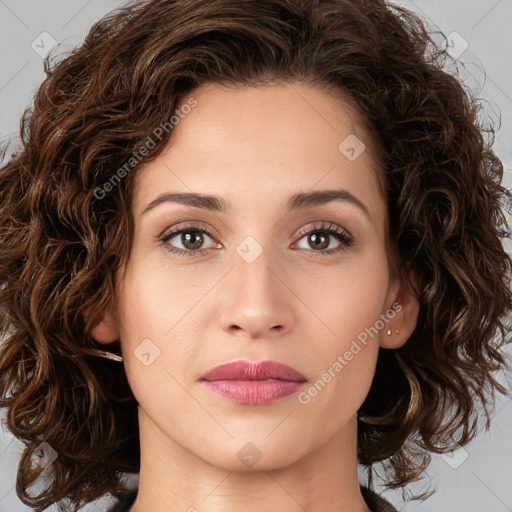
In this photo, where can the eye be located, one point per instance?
(320, 237)
(191, 238)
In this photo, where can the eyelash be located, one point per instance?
(332, 229)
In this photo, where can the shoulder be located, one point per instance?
(375, 502)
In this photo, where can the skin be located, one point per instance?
(254, 147)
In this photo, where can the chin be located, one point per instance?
(255, 453)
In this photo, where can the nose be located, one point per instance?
(257, 298)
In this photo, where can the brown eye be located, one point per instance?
(319, 237)
(192, 241)
(319, 240)
(191, 238)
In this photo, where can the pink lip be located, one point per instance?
(253, 383)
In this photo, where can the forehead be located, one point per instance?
(247, 144)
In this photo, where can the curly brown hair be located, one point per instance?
(61, 244)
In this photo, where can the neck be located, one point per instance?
(173, 478)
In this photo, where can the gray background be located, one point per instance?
(473, 479)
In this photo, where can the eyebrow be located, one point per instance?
(295, 202)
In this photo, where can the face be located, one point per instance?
(265, 278)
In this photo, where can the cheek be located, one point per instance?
(154, 302)
(159, 319)
(347, 305)
(347, 299)
(342, 366)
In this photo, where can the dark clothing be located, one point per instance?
(374, 501)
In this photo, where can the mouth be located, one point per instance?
(249, 383)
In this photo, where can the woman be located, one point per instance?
(284, 219)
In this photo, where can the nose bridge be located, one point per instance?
(253, 268)
(255, 298)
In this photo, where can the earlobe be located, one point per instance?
(406, 316)
(105, 329)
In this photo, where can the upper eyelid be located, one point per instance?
(186, 225)
(324, 225)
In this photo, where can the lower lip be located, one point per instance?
(254, 392)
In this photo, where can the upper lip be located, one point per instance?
(246, 370)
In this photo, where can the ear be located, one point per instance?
(402, 300)
(105, 329)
